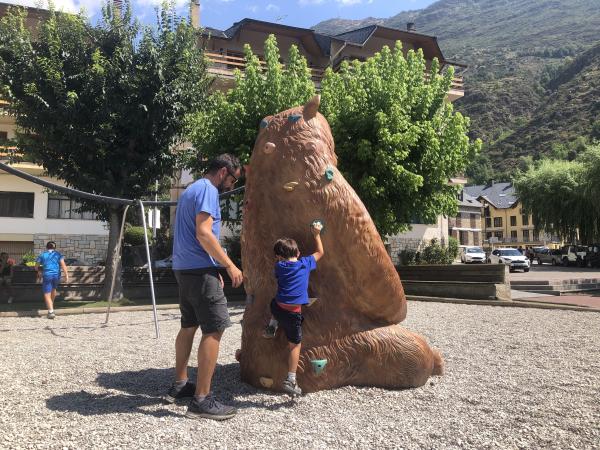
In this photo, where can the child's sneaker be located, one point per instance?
(174, 394)
(291, 387)
(51, 315)
(269, 332)
(10, 300)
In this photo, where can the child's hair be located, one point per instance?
(286, 248)
(51, 245)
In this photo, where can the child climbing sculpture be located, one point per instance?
(351, 334)
(292, 273)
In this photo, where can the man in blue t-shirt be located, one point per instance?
(48, 266)
(197, 254)
(292, 273)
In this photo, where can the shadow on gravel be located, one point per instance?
(88, 404)
(142, 388)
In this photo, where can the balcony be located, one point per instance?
(223, 67)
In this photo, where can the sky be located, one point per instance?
(221, 14)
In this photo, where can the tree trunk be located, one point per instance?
(113, 255)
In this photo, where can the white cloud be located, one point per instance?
(348, 2)
(340, 2)
(310, 2)
(178, 3)
(272, 7)
(252, 8)
(74, 6)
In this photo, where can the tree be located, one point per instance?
(398, 141)
(101, 107)
(562, 196)
(230, 121)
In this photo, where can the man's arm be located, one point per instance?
(211, 245)
(63, 266)
(316, 231)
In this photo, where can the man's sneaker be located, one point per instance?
(291, 387)
(269, 332)
(174, 394)
(210, 408)
(10, 299)
(51, 315)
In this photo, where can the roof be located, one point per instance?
(468, 200)
(358, 37)
(500, 195)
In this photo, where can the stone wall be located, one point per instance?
(395, 244)
(89, 248)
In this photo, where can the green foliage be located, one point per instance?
(230, 122)
(398, 143)
(563, 196)
(135, 235)
(29, 258)
(101, 106)
(433, 253)
(234, 249)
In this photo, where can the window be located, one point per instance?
(475, 238)
(488, 235)
(16, 204)
(62, 207)
(536, 236)
(463, 238)
(513, 234)
(497, 221)
(488, 222)
(525, 220)
(498, 234)
(513, 221)
(3, 136)
(486, 211)
(525, 235)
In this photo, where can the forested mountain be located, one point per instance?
(533, 67)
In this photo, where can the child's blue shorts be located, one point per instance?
(50, 283)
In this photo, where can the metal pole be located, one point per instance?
(149, 269)
(114, 275)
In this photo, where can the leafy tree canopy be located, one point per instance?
(563, 196)
(398, 141)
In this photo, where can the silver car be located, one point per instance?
(511, 257)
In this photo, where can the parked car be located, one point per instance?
(573, 255)
(472, 254)
(511, 257)
(549, 256)
(592, 257)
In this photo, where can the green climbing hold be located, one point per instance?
(318, 365)
(329, 174)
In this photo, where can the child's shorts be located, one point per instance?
(50, 283)
(290, 322)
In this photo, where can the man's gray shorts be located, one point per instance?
(201, 300)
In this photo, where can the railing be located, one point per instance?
(224, 65)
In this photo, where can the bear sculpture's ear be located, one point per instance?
(311, 107)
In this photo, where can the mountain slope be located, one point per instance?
(512, 48)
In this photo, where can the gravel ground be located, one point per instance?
(515, 378)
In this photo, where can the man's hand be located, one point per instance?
(66, 278)
(222, 282)
(236, 275)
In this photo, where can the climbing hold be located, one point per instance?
(249, 299)
(311, 300)
(329, 173)
(266, 382)
(290, 186)
(238, 354)
(264, 123)
(317, 223)
(269, 148)
(294, 118)
(318, 365)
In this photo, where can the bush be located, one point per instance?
(234, 249)
(408, 257)
(29, 259)
(135, 236)
(434, 253)
(452, 249)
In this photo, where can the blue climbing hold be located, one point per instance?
(318, 365)
(264, 123)
(329, 173)
(294, 118)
